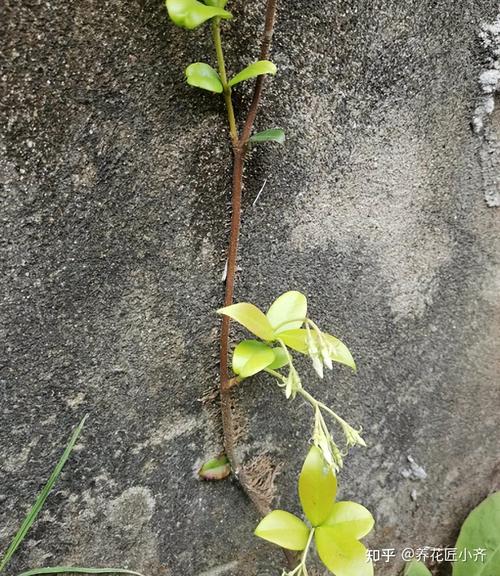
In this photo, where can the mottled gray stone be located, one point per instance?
(114, 231)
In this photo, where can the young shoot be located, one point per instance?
(191, 14)
(336, 528)
(283, 329)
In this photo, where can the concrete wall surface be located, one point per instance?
(114, 220)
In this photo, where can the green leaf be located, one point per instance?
(271, 135)
(342, 555)
(284, 529)
(256, 69)
(339, 352)
(203, 76)
(217, 3)
(297, 340)
(215, 469)
(416, 568)
(250, 357)
(251, 318)
(40, 501)
(351, 519)
(77, 570)
(317, 487)
(191, 13)
(288, 311)
(480, 531)
(280, 359)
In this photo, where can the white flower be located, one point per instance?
(326, 352)
(318, 348)
(292, 383)
(314, 352)
(323, 440)
(352, 436)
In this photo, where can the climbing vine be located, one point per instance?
(190, 14)
(283, 330)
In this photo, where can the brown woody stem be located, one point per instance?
(239, 155)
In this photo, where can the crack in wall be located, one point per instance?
(486, 120)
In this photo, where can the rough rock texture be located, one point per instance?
(486, 121)
(113, 235)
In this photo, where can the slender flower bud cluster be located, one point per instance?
(292, 382)
(320, 350)
(323, 440)
(352, 436)
(314, 352)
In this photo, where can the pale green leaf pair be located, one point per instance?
(203, 76)
(338, 526)
(252, 356)
(282, 323)
(286, 312)
(190, 13)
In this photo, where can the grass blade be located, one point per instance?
(40, 501)
(77, 570)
